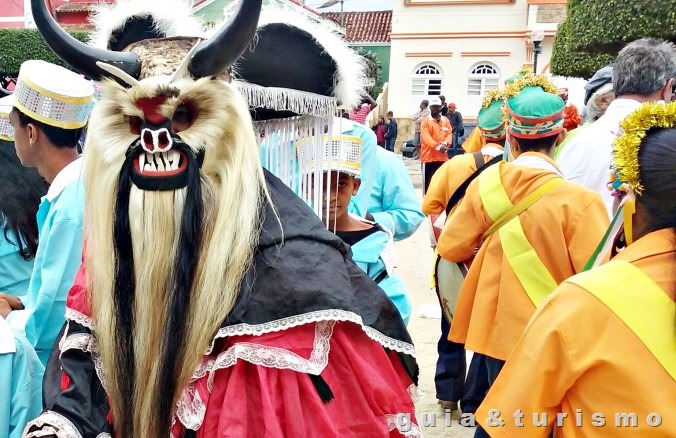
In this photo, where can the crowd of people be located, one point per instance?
(221, 260)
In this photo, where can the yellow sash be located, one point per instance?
(533, 275)
(639, 302)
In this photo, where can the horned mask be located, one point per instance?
(174, 190)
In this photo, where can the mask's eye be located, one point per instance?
(184, 116)
(134, 124)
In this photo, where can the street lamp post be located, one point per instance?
(330, 3)
(536, 36)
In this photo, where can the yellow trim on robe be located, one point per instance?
(533, 275)
(637, 288)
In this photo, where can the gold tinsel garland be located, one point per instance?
(634, 128)
(494, 95)
(530, 80)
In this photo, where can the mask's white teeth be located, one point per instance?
(146, 168)
(153, 167)
(174, 158)
(160, 165)
(142, 161)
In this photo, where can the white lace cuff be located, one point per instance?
(51, 423)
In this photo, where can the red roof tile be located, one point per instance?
(362, 27)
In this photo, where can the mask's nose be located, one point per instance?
(156, 140)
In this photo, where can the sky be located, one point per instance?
(353, 5)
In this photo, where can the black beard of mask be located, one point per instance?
(179, 295)
(162, 180)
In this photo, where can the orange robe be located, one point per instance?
(432, 134)
(474, 142)
(578, 355)
(564, 228)
(447, 179)
(571, 117)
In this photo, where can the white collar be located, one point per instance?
(535, 162)
(491, 151)
(67, 175)
(7, 343)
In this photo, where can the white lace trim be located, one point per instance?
(318, 316)
(273, 357)
(80, 341)
(87, 343)
(51, 423)
(414, 393)
(404, 424)
(284, 324)
(80, 318)
(190, 408)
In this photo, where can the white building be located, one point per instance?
(463, 48)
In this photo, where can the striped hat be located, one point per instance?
(53, 95)
(534, 109)
(491, 118)
(6, 130)
(342, 153)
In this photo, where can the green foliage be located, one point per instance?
(567, 62)
(19, 45)
(605, 26)
(374, 72)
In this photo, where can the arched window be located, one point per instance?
(426, 81)
(482, 78)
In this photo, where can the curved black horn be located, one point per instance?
(222, 50)
(77, 54)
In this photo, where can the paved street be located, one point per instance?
(415, 264)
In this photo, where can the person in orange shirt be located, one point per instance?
(575, 366)
(436, 138)
(450, 182)
(571, 116)
(537, 229)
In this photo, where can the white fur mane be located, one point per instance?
(172, 18)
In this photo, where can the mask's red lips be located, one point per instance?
(160, 164)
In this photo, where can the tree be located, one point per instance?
(19, 45)
(374, 71)
(596, 30)
(567, 62)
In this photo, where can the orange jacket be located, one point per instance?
(475, 141)
(493, 307)
(446, 181)
(432, 134)
(579, 358)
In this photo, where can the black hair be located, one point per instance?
(20, 196)
(657, 172)
(61, 138)
(536, 144)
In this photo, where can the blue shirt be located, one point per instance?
(59, 255)
(393, 203)
(20, 382)
(15, 271)
(369, 255)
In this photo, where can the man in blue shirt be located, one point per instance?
(51, 105)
